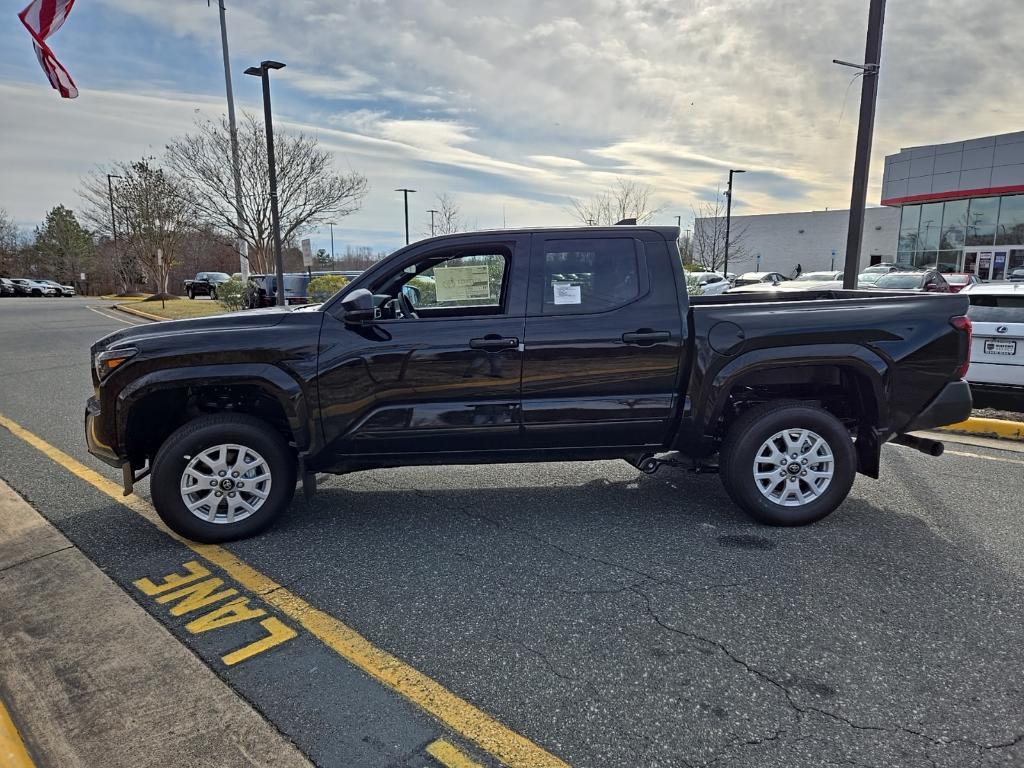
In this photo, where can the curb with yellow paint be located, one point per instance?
(1007, 430)
(133, 311)
(13, 753)
(510, 748)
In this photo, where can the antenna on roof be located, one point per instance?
(626, 222)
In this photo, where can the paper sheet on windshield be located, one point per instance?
(462, 283)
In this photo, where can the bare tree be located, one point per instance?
(625, 199)
(155, 215)
(97, 213)
(708, 245)
(309, 191)
(9, 242)
(448, 220)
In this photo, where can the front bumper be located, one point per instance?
(95, 444)
(951, 406)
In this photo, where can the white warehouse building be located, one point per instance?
(816, 240)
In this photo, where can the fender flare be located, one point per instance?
(274, 381)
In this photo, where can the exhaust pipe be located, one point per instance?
(922, 444)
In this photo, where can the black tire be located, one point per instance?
(37, 293)
(190, 293)
(204, 433)
(752, 430)
(213, 294)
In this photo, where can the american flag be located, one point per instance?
(42, 18)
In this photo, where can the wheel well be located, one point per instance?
(159, 413)
(843, 391)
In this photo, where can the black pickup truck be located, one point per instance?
(529, 345)
(205, 284)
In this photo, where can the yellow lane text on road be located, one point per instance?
(470, 722)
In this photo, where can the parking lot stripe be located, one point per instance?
(449, 755)
(12, 749)
(987, 458)
(472, 723)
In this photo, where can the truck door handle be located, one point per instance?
(646, 337)
(494, 341)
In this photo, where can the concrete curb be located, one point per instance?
(1007, 430)
(138, 312)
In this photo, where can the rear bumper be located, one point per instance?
(952, 405)
(94, 442)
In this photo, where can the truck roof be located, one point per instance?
(667, 231)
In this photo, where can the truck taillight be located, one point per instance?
(963, 324)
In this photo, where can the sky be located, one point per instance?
(516, 108)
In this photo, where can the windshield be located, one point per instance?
(218, 276)
(899, 281)
(294, 285)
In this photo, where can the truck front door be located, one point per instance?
(604, 340)
(441, 375)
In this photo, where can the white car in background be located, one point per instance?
(706, 283)
(997, 349)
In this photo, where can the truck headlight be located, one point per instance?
(108, 361)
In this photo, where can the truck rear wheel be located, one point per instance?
(222, 477)
(787, 463)
(190, 293)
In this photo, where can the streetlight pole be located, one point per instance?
(865, 129)
(728, 220)
(263, 72)
(235, 167)
(113, 220)
(432, 212)
(331, 224)
(405, 193)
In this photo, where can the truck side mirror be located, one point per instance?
(357, 307)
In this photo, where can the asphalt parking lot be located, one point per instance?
(591, 615)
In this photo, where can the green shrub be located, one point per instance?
(231, 294)
(322, 287)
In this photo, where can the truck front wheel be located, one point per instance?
(787, 463)
(222, 477)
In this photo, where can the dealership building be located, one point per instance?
(958, 205)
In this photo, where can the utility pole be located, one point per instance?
(405, 193)
(331, 224)
(432, 212)
(263, 72)
(865, 129)
(728, 220)
(235, 168)
(113, 222)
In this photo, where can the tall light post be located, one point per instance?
(728, 219)
(432, 212)
(263, 72)
(235, 167)
(405, 193)
(331, 225)
(865, 129)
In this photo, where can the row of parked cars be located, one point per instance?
(997, 312)
(24, 286)
(260, 289)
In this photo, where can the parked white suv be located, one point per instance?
(997, 351)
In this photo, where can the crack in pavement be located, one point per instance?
(36, 557)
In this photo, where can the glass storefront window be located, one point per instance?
(948, 261)
(931, 223)
(910, 219)
(1010, 230)
(925, 258)
(981, 220)
(954, 224)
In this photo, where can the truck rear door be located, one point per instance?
(604, 340)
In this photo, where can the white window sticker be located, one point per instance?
(567, 293)
(462, 283)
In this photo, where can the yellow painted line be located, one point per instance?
(1011, 430)
(473, 724)
(12, 749)
(986, 458)
(449, 755)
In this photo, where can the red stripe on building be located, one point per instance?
(955, 194)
